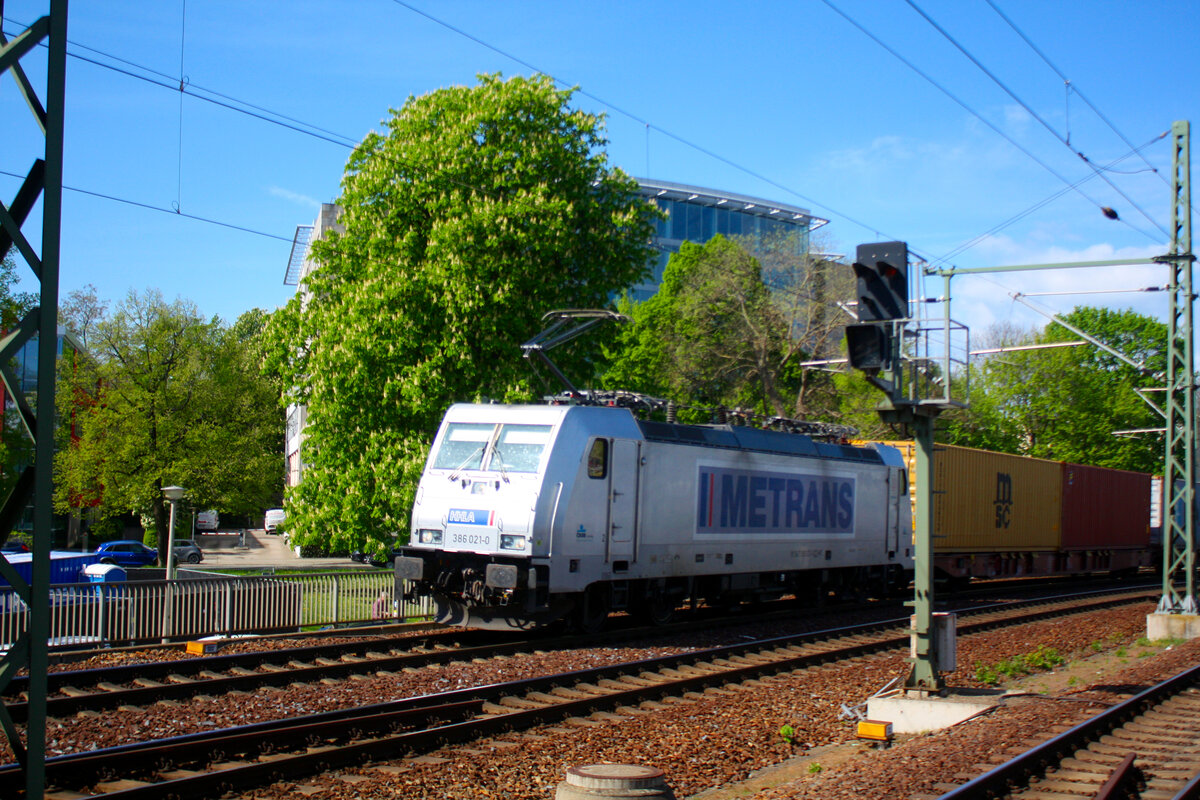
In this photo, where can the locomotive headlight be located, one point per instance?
(510, 541)
(429, 536)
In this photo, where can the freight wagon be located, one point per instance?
(1000, 515)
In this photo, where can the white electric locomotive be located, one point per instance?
(530, 514)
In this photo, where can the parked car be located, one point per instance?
(127, 553)
(274, 519)
(374, 560)
(188, 551)
(207, 520)
(14, 546)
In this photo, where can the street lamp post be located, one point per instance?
(173, 494)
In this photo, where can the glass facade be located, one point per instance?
(696, 215)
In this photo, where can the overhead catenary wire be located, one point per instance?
(1029, 110)
(152, 207)
(1035, 207)
(649, 125)
(1072, 87)
(172, 83)
(996, 129)
(182, 83)
(230, 103)
(234, 104)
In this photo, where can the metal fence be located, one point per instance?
(200, 604)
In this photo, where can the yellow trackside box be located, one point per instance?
(875, 730)
(202, 648)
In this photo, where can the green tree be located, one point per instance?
(164, 397)
(16, 448)
(478, 210)
(730, 327)
(1066, 403)
(13, 304)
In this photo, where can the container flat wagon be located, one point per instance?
(1004, 515)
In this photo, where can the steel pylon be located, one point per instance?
(43, 180)
(1179, 463)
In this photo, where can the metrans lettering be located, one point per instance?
(756, 501)
(470, 516)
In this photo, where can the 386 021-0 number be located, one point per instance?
(470, 538)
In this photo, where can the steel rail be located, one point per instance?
(211, 683)
(1017, 772)
(702, 669)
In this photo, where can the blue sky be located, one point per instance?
(787, 91)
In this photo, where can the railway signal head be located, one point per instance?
(868, 346)
(882, 271)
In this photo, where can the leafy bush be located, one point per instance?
(1043, 658)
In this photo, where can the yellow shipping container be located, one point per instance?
(990, 502)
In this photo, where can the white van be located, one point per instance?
(274, 519)
(207, 520)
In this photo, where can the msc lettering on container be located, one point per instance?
(758, 501)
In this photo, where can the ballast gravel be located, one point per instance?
(724, 736)
(701, 742)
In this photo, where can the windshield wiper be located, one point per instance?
(496, 456)
(454, 475)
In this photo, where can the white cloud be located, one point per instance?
(983, 300)
(1016, 119)
(294, 197)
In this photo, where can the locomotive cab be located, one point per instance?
(484, 519)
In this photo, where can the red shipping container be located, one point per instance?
(1104, 508)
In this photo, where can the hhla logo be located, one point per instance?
(1004, 499)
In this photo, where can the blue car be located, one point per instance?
(127, 553)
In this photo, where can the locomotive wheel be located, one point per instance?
(658, 610)
(591, 614)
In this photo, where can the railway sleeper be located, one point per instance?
(107, 787)
(1151, 736)
(520, 703)
(582, 722)
(1071, 775)
(1149, 756)
(1165, 733)
(654, 678)
(546, 699)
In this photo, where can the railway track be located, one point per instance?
(1144, 747)
(143, 684)
(211, 763)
